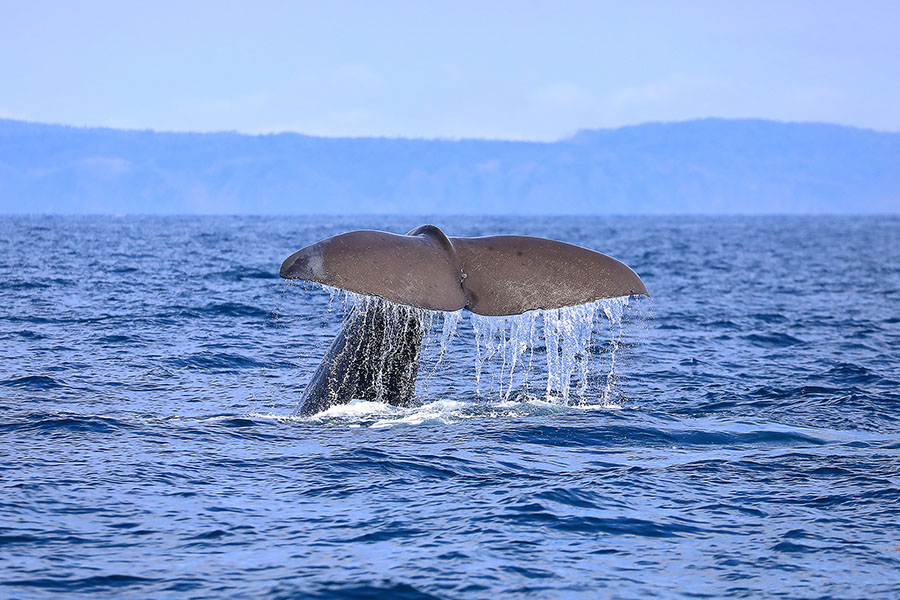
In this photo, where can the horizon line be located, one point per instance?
(460, 215)
(570, 136)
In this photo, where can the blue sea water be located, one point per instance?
(746, 443)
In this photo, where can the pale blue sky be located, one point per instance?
(513, 70)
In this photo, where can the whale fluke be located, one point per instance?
(492, 276)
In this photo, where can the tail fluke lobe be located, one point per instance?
(416, 270)
(512, 274)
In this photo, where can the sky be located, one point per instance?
(525, 70)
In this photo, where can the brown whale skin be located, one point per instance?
(493, 275)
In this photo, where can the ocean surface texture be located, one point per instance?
(736, 435)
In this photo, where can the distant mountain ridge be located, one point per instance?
(710, 166)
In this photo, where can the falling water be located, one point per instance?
(565, 355)
(561, 353)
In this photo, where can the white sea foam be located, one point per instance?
(379, 415)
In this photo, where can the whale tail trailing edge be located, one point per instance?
(492, 276)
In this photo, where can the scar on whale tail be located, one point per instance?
(376, 355)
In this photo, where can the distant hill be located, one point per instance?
(711, 166)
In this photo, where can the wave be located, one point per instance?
(613, 431)
(353, 591)
(773, 339)
(85, 584)
(222, 361)
(233, 309)
(34, 382)
(67, 423)
(241, 273)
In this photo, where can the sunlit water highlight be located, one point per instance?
(738, 436)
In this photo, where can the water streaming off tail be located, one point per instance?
(566, 355)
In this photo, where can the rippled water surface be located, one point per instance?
(746, 443)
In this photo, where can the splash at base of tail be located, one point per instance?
(376, 355)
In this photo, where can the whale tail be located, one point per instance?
(492, 276)
(376, 355)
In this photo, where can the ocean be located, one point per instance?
(735, 435)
